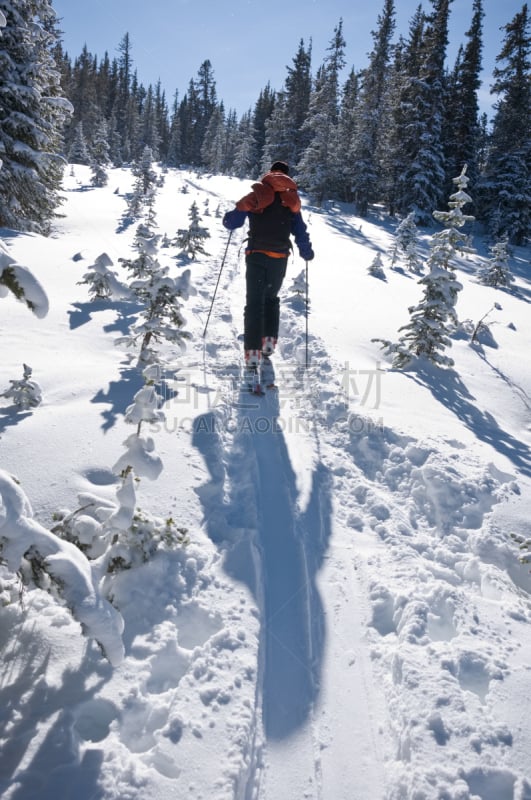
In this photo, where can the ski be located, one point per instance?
(257, 380)
(267, 374)
(251, 380)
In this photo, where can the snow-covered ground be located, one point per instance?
(349, 619)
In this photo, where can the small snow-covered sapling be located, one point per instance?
(25, 393)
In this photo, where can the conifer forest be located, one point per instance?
(393, 133)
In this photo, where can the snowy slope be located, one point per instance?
(349, 620)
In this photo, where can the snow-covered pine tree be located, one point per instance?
(100, 159)
(318, 170)
(25, 393)
(215, 141)
(462, 135)
(433, 320)
(191, 240)
(173, 154)
(79, 150)
(262, 111)
(497, 272)
(346, 135)
(103, 282)
(32, 116)
(421, 185)
(245, 150)
(161, 318)
(145, 183)
(407, 243)
(505, 189)
(285, 136)
(375, 268)
(364, 178)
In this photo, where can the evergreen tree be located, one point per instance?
(433, 320)
(173, 155)
(347, 135)
(191, 240)
(245, 149)
(207, 104)
(422, 116)
(149, 125)
(318, 169)
(188, 115)
(376, 268)
(286, 137)
(401, 131)
(32, 115)
(231, 142)
(100, 155)
(79, 151)
(506, 184)
(214, 142)
(262, 111)
(161, 318)
(364, 177)
(123, 106)
(462, 125)
(84, 98)
(25, 393)
(497, 272)
(406, 241)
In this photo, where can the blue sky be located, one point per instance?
(252, 41)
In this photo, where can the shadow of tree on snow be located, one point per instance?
(447, 387)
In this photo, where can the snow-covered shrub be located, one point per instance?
(143, 538)
(103, 283)
(43, 560)
(22, 283)
(480, 332)
(25, 393)
(117, 535)
(191, 240)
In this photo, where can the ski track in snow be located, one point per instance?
(333, 635)
(406, 490)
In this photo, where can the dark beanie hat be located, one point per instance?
(280, 166)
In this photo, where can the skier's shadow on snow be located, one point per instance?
(262, 514)
(448, 388)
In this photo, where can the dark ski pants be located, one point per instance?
(264, 276)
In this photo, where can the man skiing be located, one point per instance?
(273, 210)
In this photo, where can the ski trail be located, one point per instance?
(252, 511)
(270, 505)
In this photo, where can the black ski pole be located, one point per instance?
(217, 283)
(307, 301)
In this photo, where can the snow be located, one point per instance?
(346, 615)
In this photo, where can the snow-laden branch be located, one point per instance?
(23, 538)
(22, 283)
